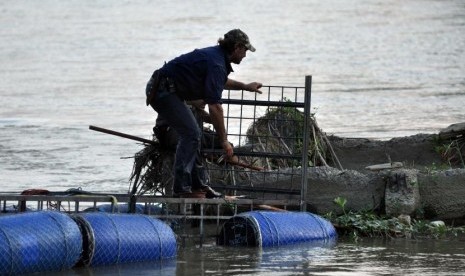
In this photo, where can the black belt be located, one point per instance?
(158, 82)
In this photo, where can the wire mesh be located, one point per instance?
(269, 132)
(38, 242)
(265, 228)
(125, 238)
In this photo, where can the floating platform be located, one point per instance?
(187, 216)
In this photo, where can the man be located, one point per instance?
(199, 75)
(168, 138)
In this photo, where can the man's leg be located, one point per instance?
(200, 181)
(179, 117)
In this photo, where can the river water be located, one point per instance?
(381, 69)
(366, 257)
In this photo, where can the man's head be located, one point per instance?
(238, 36)
(236, 43)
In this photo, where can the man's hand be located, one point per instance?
(228, 149)
(253, 87)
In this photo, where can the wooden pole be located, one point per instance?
(146, 141)
(120, 134)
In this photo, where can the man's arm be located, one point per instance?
(237, 85)
(217, 119)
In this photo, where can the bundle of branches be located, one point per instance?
(152, 171)
(281, 131)
(452, 144)
(153, 167)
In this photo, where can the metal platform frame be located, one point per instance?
(73, 204)
(237, 113)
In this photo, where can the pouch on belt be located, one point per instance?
(152, 86)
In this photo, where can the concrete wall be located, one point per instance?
(440, 195)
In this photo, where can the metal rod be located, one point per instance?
(263, 103)
(257, 189)
(201, 225)
(306, 140)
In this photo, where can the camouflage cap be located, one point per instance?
(239, 36)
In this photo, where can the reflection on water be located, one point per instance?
(368, 257)
(251, 260)
(164, 267)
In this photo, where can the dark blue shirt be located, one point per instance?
(200, 74)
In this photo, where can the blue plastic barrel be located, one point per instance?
(265, 228)
(38, 242)
(124, 238)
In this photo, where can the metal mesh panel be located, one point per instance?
(38, 241)
(258, 228)
(270, 136)
(123, 238)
